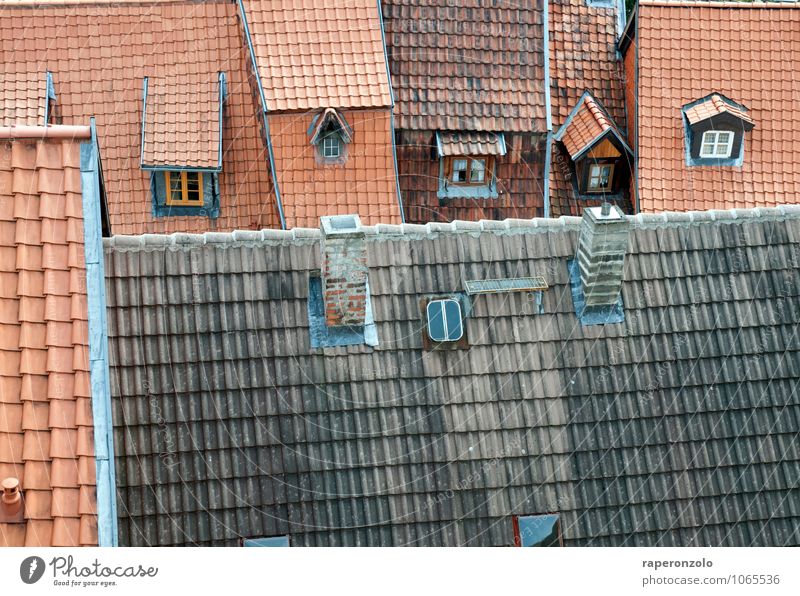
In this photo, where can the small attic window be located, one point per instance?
(330, 134)
(716, 144)
(467, 163)
(714, 131)
(331, 146)
(185, 188)
(185, 192)
(600, 177)
(269, 541)
(537, 530)
(445, 322)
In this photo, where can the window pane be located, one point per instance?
(459, 170)
(273, 541)
(452, 315)
(331, 146)
(539, 530)
(436, 329)
(478, 172)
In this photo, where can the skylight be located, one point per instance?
(445, 320)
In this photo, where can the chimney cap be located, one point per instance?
(333, 225)
(10, 484)
(599, 213)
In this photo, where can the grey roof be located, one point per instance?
(678, 426)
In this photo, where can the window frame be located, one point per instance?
(447, 338)
(488, 170)
(518, 534)
(600, 189)
(715, 144)
(322, 146)
(184, 201)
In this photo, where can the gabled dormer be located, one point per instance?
(182, 142)
(599, 155)
(331, 135)
(714, 131)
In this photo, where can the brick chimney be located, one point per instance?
(602, 246)
(344, 270)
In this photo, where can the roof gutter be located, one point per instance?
(263, 100)
(548, 152)
(98, 343)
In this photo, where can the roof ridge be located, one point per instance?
(381, 232)
(47, 3)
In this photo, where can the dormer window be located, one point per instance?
(716, 144)
(599, 155)
(715, 128)
(330, 134)
(467, 163)
(469, 170)
(600, 177)
(183, 153)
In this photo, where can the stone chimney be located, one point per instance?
(344, 270)
(602, 246)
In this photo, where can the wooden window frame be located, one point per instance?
(600, 189)
(488, 173)
(184, 201)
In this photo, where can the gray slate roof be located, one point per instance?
(677, 427)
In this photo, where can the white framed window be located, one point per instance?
(331, 146)
(717, 144)
(600, 177)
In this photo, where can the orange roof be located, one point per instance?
(182, 121)
(748, 52)
(46, 425)
(98, 67)
(714, 105)
(364, 183)
(587, 122)
(23, 98)
(316, 54)
(583, 55)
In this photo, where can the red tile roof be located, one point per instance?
(715, 105)
(99, 56)
(465, 65)
(471, 143)
(182, 121)
(583, 55)
(588, 122)
(46, 425)
(747, 52)
(23, 98)
(363, 183)
(319, 53)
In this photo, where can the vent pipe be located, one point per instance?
(602, 246)
(11, 506)
(344, 270)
